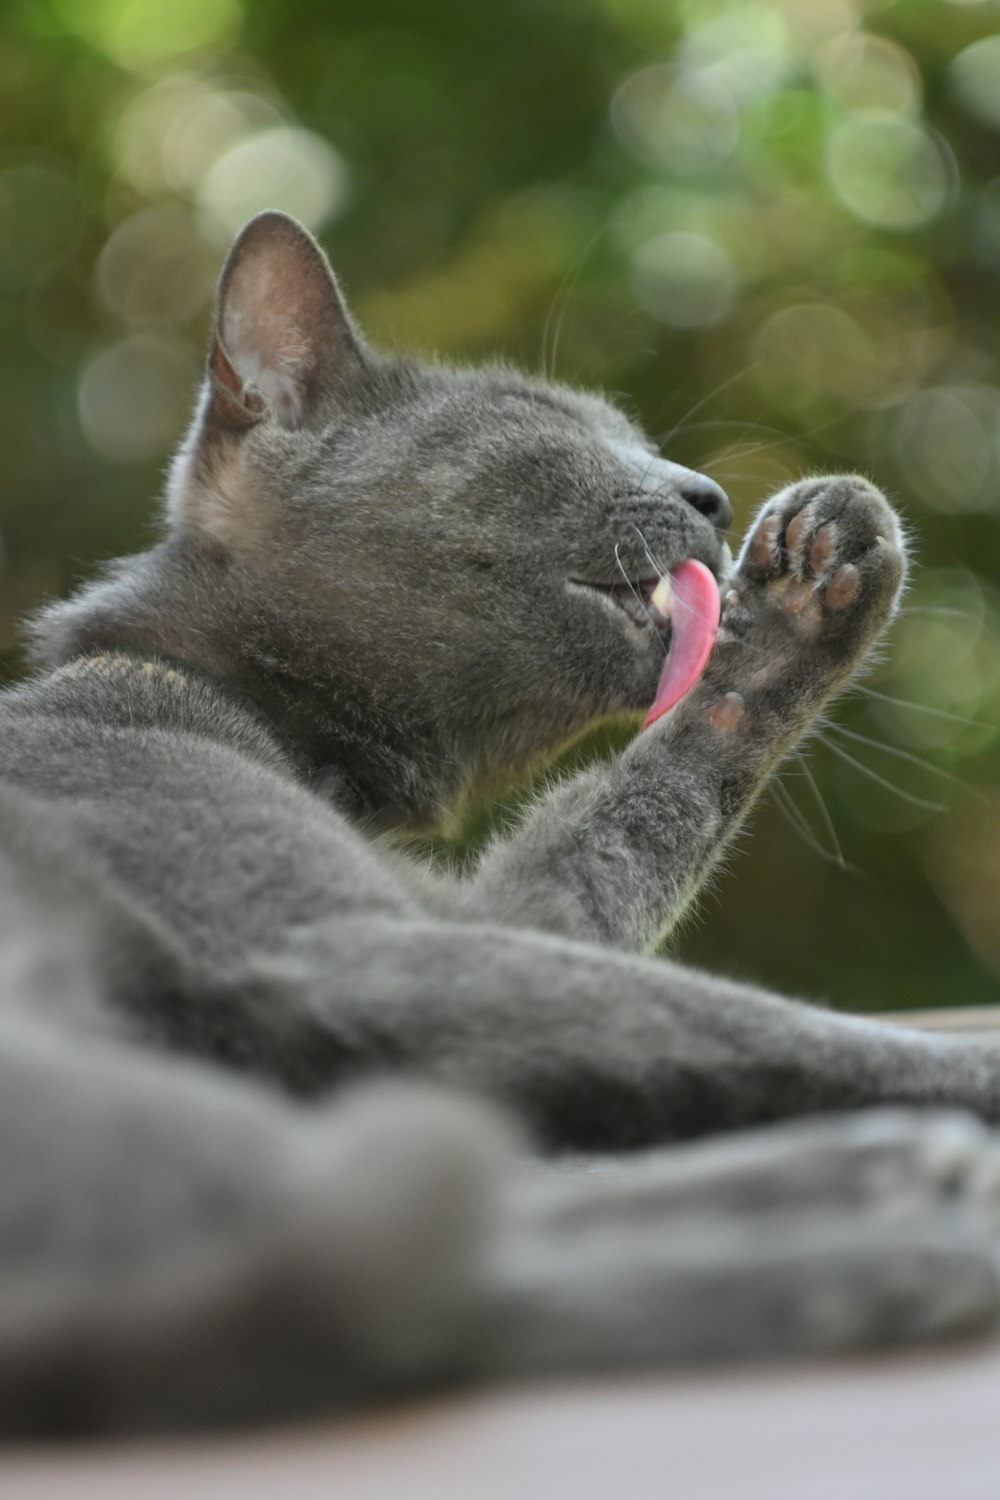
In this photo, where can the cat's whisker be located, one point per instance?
(786, 806)
(744, 476)
(723, 385)
(944, 610)
(734, 453)
(882, 781)
(653, 458)
(823, 810)
(922, 708)
(679, 590)
(786, 437)
(744, 423)
(730, 456)
(554, 351)
(640, 600)
(561, 299)
(653, 561)
(899, 754)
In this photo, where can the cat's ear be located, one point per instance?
(284, 351)
(282, 337)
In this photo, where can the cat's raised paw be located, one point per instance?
(826, 545)
(816, 580)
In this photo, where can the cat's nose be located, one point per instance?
(707, 497)
(661, 476)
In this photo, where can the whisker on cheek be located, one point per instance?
(653, 561)
(641, 601)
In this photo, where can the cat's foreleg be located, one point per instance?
(615, 855)
(595, 1050)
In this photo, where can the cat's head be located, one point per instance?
(425, 572)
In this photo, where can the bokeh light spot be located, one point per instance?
(974, 76)
(143, 125)
(155, 268)
(676, 118)
(947, 445)
(813, 350)
(134, 398)
(686, 280)
(137, 34)
(946, 658)
(746, 49)
(888, 170)
(286, 168)
(861, 72)
(812, 22)
(211, 124)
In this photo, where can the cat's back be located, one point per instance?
(173, 801)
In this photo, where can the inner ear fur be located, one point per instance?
(281, 331)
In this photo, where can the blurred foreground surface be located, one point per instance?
(772, 227)
(917, 1427)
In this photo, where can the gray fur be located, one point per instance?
(383, 586)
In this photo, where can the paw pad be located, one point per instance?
(844, 587)
(727, 713)
(764, 545)
(823, 548)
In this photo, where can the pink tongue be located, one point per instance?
(694, 616)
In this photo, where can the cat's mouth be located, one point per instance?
(635, 600)
(683, 607)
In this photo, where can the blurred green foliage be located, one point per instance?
(772, 226)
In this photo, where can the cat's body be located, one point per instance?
(382, 586)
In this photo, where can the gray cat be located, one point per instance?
(279, 1107)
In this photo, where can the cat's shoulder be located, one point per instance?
(134, 696)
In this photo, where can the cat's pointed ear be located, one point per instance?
(284, 351)
(282, 336)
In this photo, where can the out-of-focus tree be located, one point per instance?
(773, 226)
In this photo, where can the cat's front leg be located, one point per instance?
(817, 579)
(615, 855)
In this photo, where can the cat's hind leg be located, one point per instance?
(400, 1246)
(806, 1239)
(180, 1249)
(890, 1163)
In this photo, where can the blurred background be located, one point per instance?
(771, 228)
